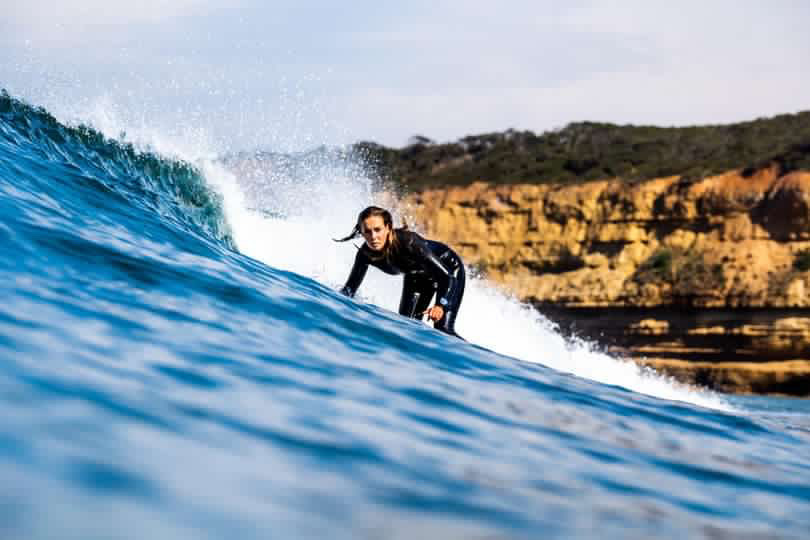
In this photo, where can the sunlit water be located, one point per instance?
(176, 364)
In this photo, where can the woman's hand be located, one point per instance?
(435, 313)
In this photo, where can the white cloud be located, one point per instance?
(92, 12)
(53, 23)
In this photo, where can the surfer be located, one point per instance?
(430, 268)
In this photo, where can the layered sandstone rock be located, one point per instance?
(714, 270)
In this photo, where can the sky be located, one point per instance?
(288, 75)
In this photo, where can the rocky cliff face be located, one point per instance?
(672, 272)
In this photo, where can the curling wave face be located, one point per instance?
(157, 382)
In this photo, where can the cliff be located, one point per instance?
(705, 278)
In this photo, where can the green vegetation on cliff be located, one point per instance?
(688, 276)
(802, 261)
(587, 151)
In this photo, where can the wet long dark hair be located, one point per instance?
(387, 220)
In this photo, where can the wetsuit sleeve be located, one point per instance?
(435, 268)
(356, 276)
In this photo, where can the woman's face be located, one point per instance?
(375, 231)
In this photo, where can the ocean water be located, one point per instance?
(175, 363)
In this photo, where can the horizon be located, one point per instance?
(428, 141)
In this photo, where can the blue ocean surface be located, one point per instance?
(175, 363)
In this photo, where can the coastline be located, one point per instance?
(788, 378)
(702, 279)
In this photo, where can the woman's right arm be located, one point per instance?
(356, 276)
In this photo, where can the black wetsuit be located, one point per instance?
(429, 267)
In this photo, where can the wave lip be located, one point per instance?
(47, 158)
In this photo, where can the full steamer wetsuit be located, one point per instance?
(429, 267)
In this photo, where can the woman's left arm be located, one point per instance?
(436, 269)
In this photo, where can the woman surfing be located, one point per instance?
(430, 268)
